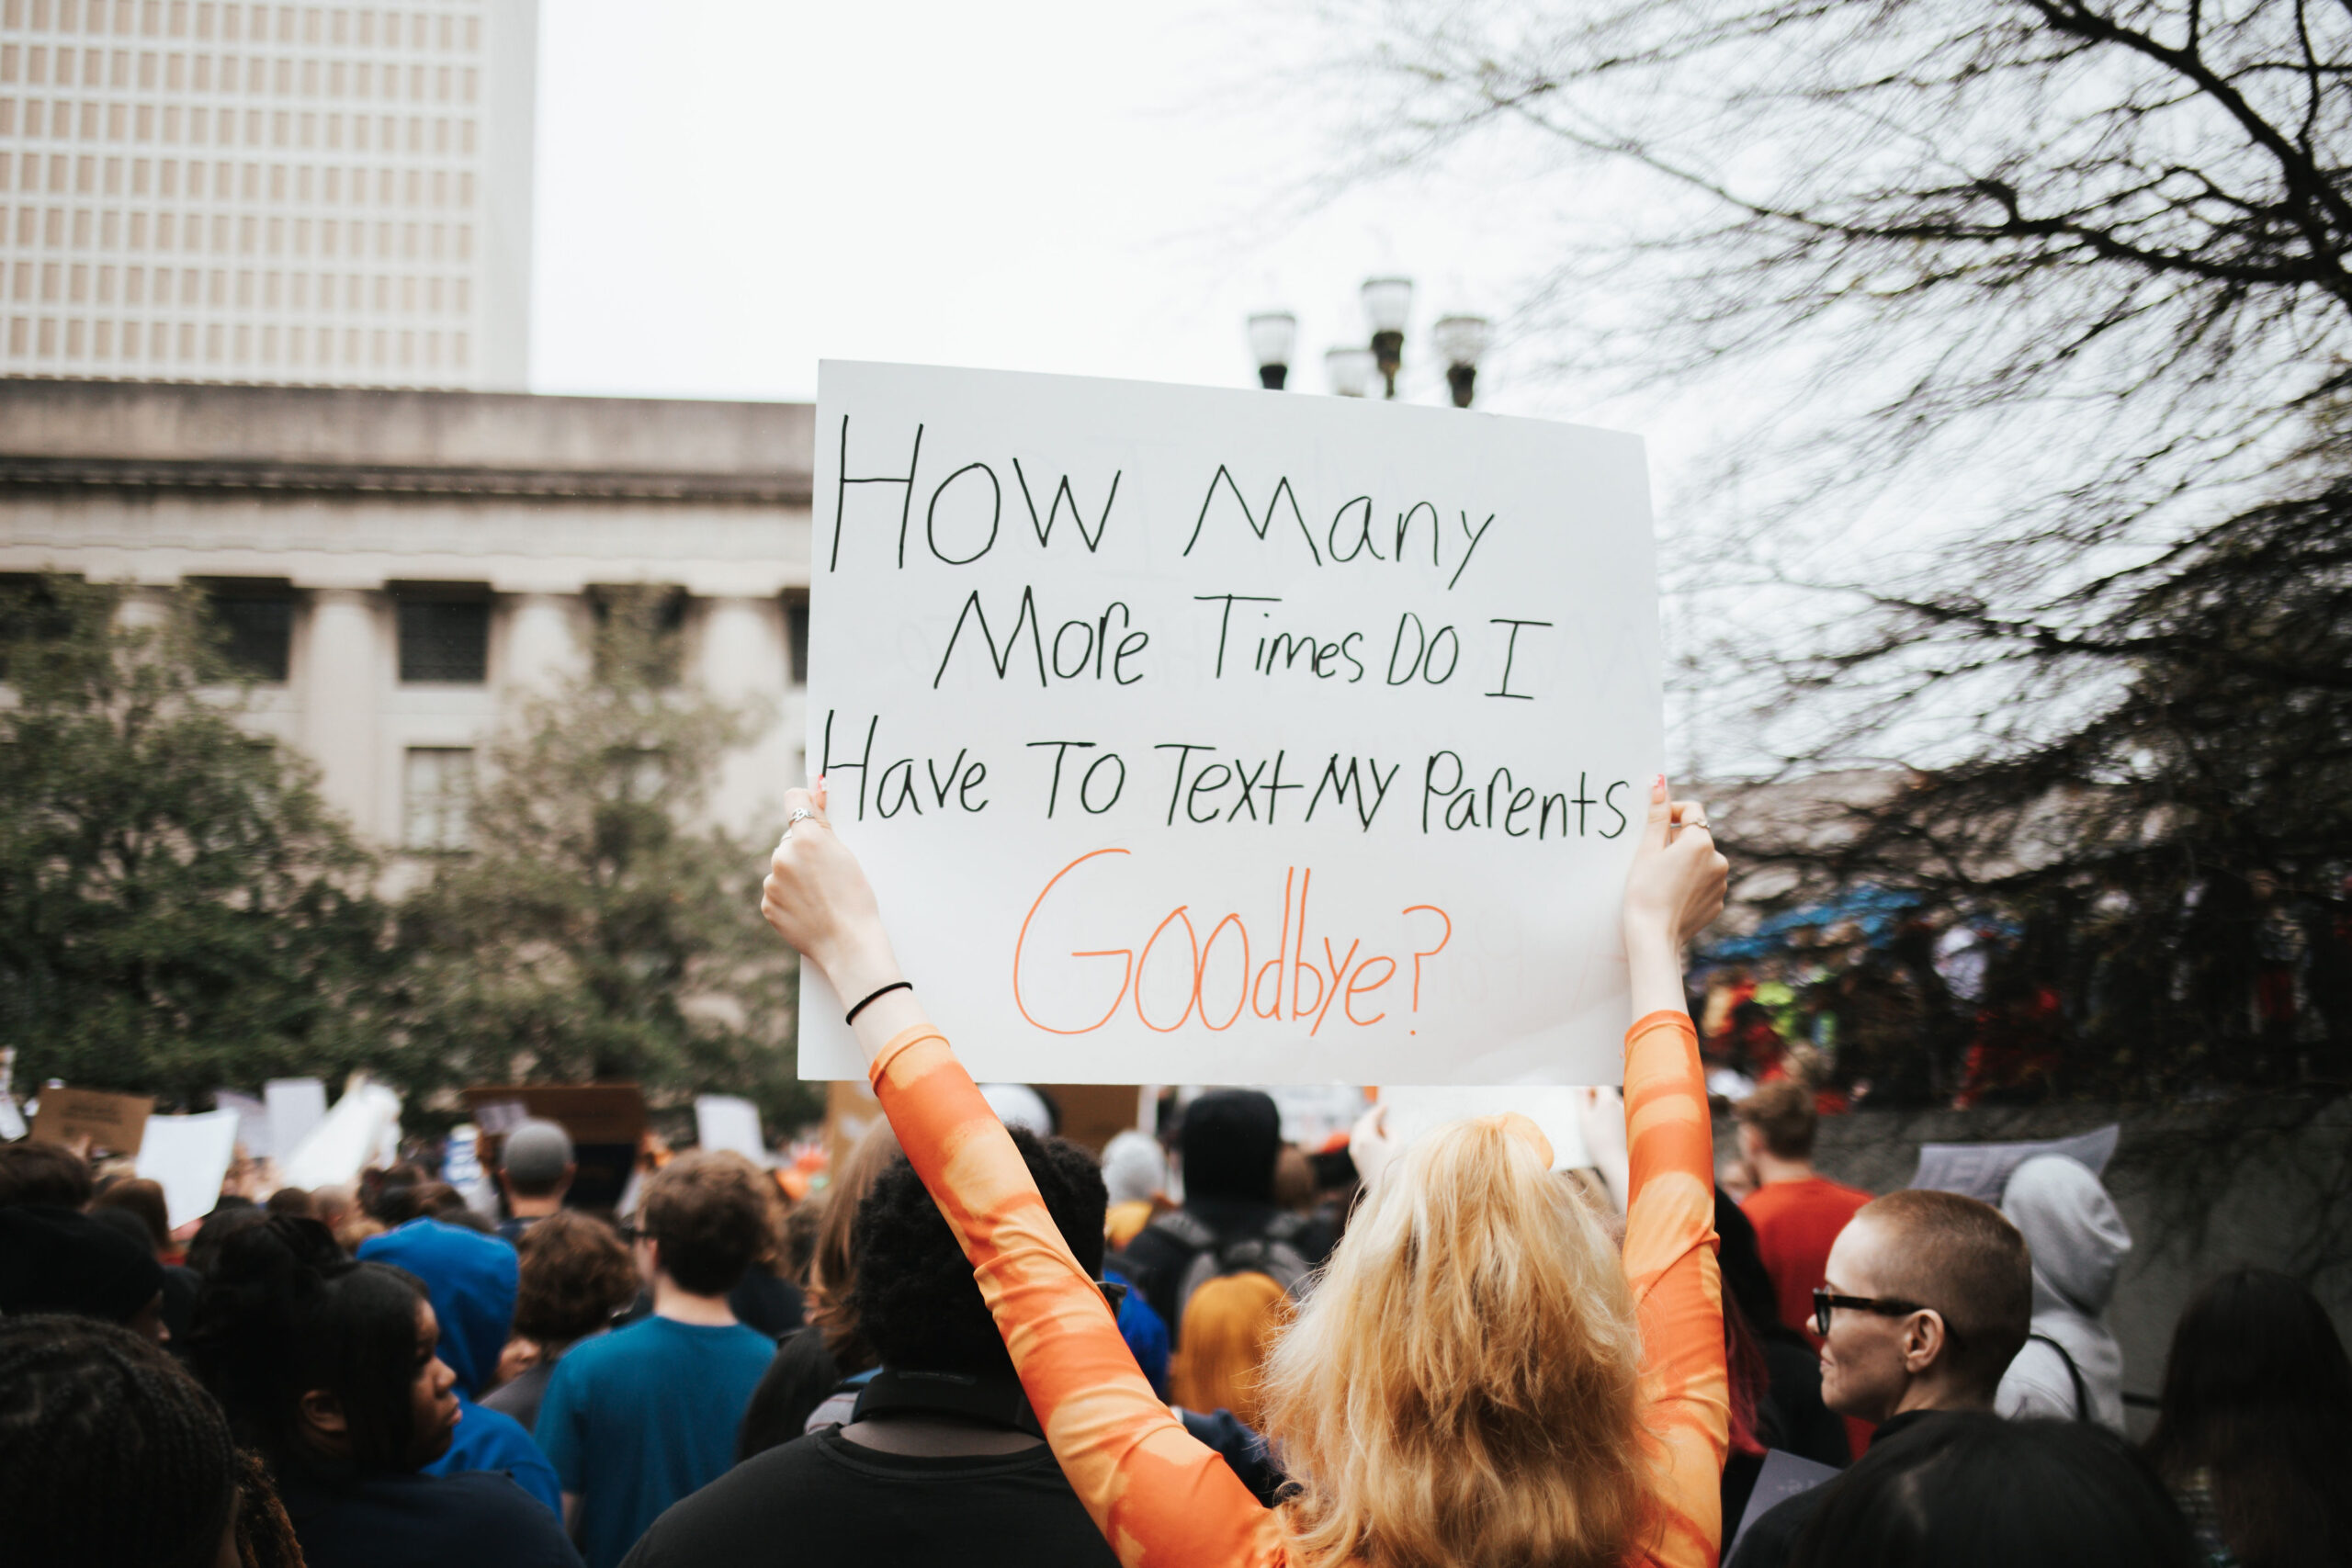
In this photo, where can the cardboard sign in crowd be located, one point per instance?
(1220, 736)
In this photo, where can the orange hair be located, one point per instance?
(1124, 1222)
(1462, 1384)
(1229, 1326)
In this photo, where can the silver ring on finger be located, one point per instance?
(800, 815)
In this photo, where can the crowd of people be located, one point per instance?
(980, 1343)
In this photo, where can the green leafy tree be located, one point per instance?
(179, 907)
(596, 929)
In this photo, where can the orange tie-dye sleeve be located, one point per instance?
(1678, 1289)
(1161, 1499)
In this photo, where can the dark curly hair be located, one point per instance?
(576, 1274)
(916, 1300)
(711, 1214)
(108, 1452)
(286, 1311)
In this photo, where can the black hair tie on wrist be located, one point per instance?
(851, 1017)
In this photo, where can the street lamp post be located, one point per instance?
(1461, 341)
(1272, 336)
(1388, 301)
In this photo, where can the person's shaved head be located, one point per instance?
(1965, 1260)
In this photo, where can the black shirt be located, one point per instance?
(796, 1382)
(823, 1500)
(475, 1519)
(1793, 1416)
(1767, 1541)
(1158, 1261)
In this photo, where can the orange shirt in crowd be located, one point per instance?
(1795, 1224)
(1163, 1500)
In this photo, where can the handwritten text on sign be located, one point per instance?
(1197, 736)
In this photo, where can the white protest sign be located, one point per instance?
(364, 1124)
(253, 1121)
(726, 1122)
(1315, 1113)
(189, 1157)
(1983, 1171)
(295, 1105)
(500, 1117)
(1201, 736)
(1415, 1111)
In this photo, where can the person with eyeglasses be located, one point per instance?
(1927, 1296)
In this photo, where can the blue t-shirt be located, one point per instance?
(491, 1439)
(636, 1419)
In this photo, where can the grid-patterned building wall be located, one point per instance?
(220, 191)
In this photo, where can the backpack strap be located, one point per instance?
(2073, 1375)
(839, 1407)
(1186, 1229)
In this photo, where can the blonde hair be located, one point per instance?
(1229, 1324)
(1462, 1384)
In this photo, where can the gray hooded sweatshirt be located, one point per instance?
(2079, 1243)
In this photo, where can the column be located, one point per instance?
(342, 660)
(744, 661)
(540, 649)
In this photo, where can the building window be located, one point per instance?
(445, 632)
(436, 799)
(796, 635)
(30, 614)
(254, 620)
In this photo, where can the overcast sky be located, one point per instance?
(729, 190)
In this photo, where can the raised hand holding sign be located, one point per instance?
(1205, 736)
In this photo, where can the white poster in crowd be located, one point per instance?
(253, 1122)
(1983, 1171)
(1416, 1111)
(296, 1106)
(363, 1128)
(189, 1157)
(1313, 1114)
(730, 1123)
(1202, 736)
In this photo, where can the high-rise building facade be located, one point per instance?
(219, 191)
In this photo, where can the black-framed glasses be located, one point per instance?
(1825, 1300)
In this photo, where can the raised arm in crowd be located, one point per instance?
(1479, 1375)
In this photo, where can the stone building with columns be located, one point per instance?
(393, 567)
